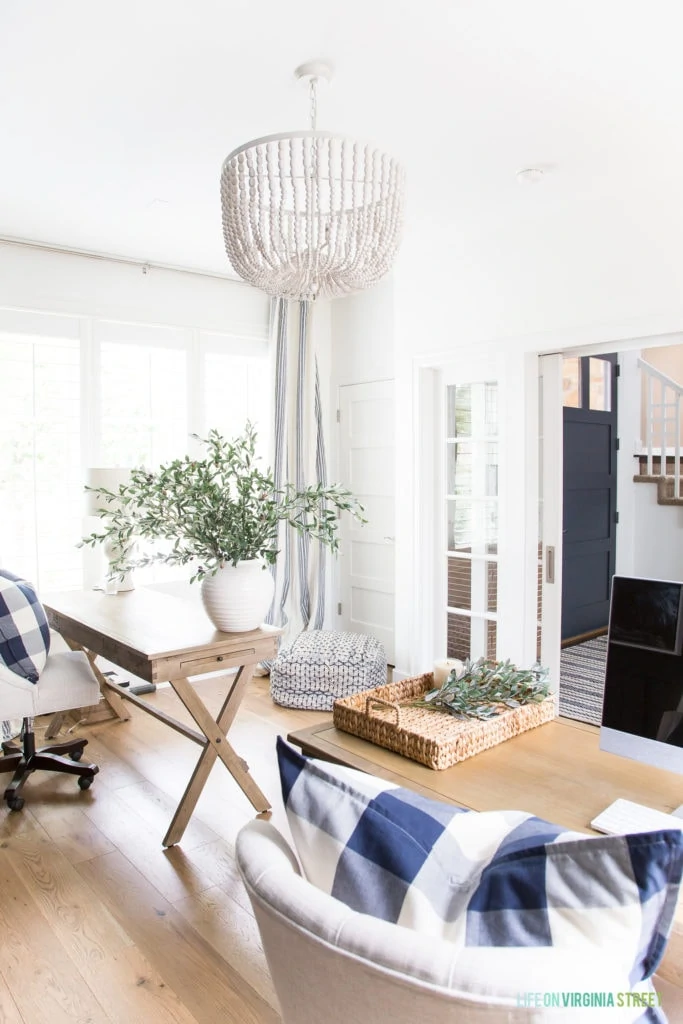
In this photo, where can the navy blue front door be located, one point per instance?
(589, 498)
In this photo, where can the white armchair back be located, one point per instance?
(331, 965)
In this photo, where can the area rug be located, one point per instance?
(582, 680)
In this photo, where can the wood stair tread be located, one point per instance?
(665, 487)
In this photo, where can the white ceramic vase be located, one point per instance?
(237, 597)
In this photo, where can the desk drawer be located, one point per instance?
(216, 662)
(186, 665)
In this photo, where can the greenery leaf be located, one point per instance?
(215, 511)
(484, 689)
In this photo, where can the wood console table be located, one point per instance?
(165, 638)
(556, 772)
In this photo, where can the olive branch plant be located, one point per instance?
(214, 511)
(485, 688)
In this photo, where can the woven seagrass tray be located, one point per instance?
(434, 738)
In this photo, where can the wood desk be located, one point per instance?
(556, 771)
(165, 638)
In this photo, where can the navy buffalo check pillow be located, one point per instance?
(24, 632)
(500, 878)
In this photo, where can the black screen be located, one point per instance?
(645, 613)
(644, 672)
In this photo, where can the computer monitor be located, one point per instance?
(642, 712)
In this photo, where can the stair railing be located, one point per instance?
(662, 419)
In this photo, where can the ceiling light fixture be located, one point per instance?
(310, 214)
(530, 175)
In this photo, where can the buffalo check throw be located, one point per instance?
(24, 631)
(500, 878)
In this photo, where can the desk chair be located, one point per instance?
(66, 682)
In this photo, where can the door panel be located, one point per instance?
(366, 563)
(589, 494)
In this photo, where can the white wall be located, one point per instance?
(363, 338)
(658, 553)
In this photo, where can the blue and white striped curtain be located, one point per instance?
(298, 458)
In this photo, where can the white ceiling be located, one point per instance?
(115, 117)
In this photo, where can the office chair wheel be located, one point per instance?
(85, 781)
(76, 755)
(15, 803)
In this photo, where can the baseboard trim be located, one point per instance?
(582, 637)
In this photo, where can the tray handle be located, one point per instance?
(385, 704)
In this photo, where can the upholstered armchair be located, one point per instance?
(65, 682)
(332, 964)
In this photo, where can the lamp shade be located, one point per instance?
(112, 479)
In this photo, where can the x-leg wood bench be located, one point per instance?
(162, 637)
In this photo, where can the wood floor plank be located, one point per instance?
(234, 934)
(158, 808)
(12, 823)
(9, 1012)
(72, 831)
(208, 986)
(43, 980)
(171, 874)
(97, 943)
(217, 862)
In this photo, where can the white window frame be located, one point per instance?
(91, 332)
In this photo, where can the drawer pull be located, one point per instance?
(219, 658)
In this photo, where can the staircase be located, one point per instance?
(660, 460)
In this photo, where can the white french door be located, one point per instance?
(488, 557)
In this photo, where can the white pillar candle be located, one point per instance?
(443, 668)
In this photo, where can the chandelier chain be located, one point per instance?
(313, 95)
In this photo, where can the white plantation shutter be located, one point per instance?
(236, 387)
(40, 459)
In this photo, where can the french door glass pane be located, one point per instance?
(462, 456)
(472, 518)
(461, 641)
(459, 404)
(472, 578)
(473, 525)
(41, 487)
(458, 641)
(600, 385)
(571, 382)
(144, 405)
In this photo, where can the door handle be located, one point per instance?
(550, 564)
(392, 539)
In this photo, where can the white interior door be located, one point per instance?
(550, 512)
(366, 467)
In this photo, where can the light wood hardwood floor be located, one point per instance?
(97, 921)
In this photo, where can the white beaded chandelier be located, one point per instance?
(308, 214)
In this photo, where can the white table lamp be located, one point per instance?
(111, 479)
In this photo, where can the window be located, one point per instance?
(571, 382)
(109, 394)
(236, 388)
(144, 404)
(40, 459)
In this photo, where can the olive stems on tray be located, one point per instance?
(484, 689)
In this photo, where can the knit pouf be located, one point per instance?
(322, 665)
